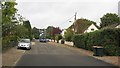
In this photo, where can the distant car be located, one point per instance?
(42, 40)
(47, 40)
(24, 43)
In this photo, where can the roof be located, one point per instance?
(82, 24)
(112, 26)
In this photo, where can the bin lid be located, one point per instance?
(97, 47)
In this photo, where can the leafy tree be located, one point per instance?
(12, 30)
(28, 26)
(109, 19)
(35, 32)
(52, 31)
(56, 31)
(58, 37)
(68, 34)
(49, 32)
(21, 32)
(8, 12)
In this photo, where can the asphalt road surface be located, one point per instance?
(45, 54)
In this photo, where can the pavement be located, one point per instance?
(12, 56)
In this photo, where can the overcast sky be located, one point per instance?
(58, 13)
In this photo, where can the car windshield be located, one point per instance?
(25, 40)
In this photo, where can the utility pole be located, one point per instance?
(74, 21)
(74, 26)
(75, 15)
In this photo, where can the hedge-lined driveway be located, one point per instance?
(44, 54)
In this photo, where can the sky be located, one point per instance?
(59, 13)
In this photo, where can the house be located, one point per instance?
(63, 31)
(91, 28)
(116, 25)
(84, 26)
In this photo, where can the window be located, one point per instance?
(92, 29)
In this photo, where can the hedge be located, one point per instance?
(8, 42)
(109, 39)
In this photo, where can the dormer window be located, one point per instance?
(92, 29)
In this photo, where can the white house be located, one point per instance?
(63, 31)
(118, 26)
(91, 28)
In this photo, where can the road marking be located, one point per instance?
(18, 59)
(23, 51)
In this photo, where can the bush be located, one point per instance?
(62, 41)
(58, 37)
(111, 50)
(108, 38)
(36, 36)
(9, 41)
(68, 34)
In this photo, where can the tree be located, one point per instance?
(52, 31)
(35, 32)
(8, 12)
(68, 34)
(21, 32)
(109, 19)
(55, 32)
(27, 25)
(58, 37)
(12, 30)
(49, 31)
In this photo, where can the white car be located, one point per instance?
(24, 43)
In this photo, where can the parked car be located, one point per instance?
(47, 40)
(24, 43)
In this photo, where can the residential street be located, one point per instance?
(45, 54)
(60, 33)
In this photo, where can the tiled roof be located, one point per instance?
(112, 26)
(81, 25)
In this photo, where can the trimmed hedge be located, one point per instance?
(109, 39)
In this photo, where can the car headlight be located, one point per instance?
(27, 45)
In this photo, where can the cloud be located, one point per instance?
(51, 12)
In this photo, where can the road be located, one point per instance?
(45, 54)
